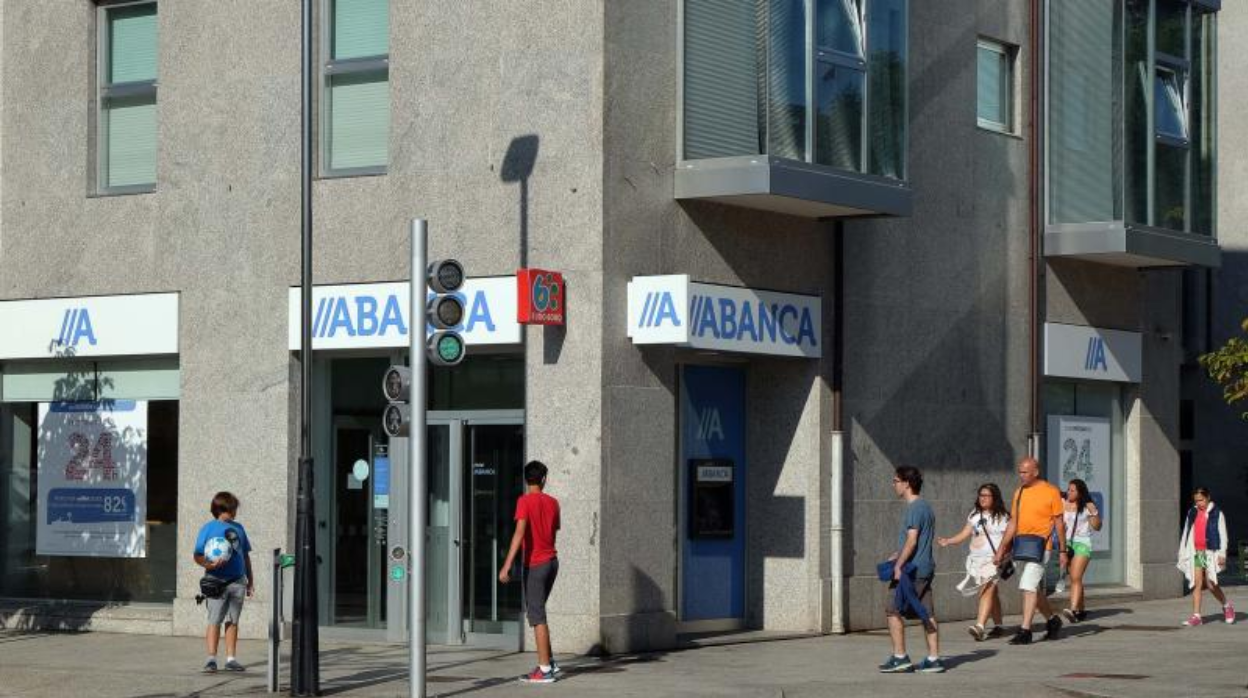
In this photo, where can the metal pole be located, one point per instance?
(275, 619)
(417, 456)
(305, 662)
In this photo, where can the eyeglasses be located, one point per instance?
(985, 494)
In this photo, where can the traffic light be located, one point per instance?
(445, 311)
(397, 386)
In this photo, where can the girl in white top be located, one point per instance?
(985, 526)
(1081, 519)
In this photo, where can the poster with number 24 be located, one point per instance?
(92, 479)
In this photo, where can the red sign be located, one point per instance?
(540, 297)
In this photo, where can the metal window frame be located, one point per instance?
(106, 91)
(1006, 54)
(330, 68)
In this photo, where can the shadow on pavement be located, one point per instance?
(1084, 629)
(957, 660)
(19, 636)
(1106, 612)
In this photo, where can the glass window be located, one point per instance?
(786, 79)
(886, 74)
(721, 80)
(25, 574)
(821, 81)
(1202, 123)
(838, 135)
(1171, 112)
(356, 114)
(1084, 173)
(126, 141)
(838, 27)
(1132, 113)
(995, 80)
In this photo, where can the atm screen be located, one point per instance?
(711, 498)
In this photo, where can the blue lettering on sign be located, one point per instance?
(1095, 358)
(366, 314)
(90, 505)
(75, 327)
(392, 317)
(657, 308)
(370, 316)
(739, 321)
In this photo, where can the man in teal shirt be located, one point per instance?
(914, 558)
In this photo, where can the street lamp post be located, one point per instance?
(304, 658)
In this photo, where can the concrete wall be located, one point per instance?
(936, 308)
(222, 227)
(646, 232)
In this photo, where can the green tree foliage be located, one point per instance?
(1228, 367)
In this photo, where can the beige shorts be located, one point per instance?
(1031, 574)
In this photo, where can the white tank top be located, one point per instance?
(1082, 534)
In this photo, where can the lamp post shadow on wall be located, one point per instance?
(518, 167)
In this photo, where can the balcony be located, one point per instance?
(1132, 133)
(795, 106)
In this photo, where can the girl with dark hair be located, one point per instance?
(985, 525)
(1081, 518)
(1202, 554)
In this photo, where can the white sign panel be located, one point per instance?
(1091, 353)
(89, 326)
(367, 316)
(1079, 447)
(92, 479)
(675, 310)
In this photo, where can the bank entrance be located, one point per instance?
(475, 461)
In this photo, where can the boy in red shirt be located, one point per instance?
(537, 521)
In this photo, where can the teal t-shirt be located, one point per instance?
(919, 516)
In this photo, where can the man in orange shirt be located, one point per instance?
(1036, 511)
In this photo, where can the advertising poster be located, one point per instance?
(92, 479)
(1079, 447)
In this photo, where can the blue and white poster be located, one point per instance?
(92, 479)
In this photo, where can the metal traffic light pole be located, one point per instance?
(416, 457)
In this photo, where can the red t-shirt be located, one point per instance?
(1200, 528)
(542, 512)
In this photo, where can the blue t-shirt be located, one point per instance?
(233, 532)
(919, 516)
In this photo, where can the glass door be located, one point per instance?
(493, 470)
(358, 528)
(442, 553)
(475, 475)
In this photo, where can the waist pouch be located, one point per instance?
(211, 587)
(1029, 548)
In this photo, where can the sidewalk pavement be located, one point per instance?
(1138, 651)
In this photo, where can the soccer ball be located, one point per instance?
(217, 550)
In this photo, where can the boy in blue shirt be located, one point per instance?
(235, 568)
